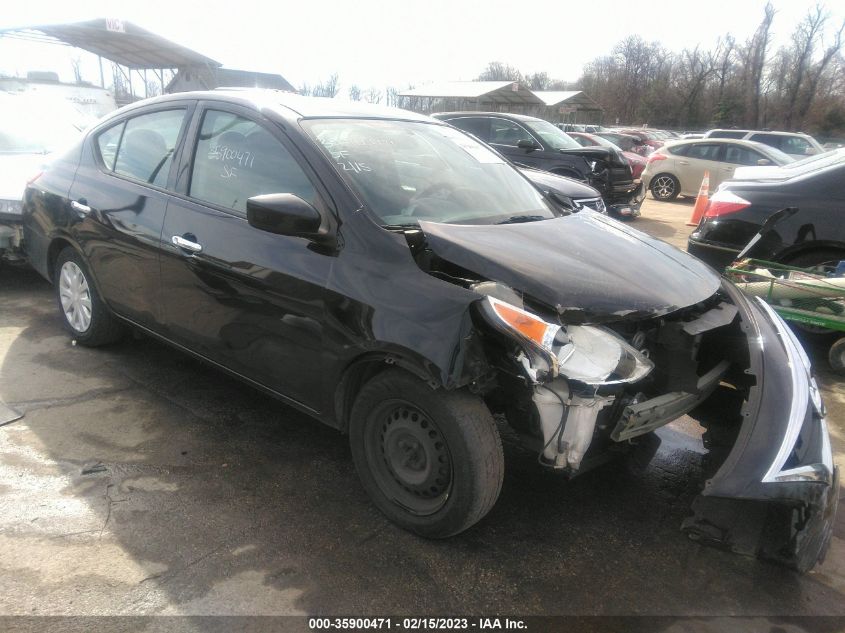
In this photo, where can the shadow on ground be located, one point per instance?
(209, 497)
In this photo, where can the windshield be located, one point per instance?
(31, 127)
(552, 136)
(405, 172)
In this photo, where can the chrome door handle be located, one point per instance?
(683, 162)
(79, 207)
(188, 245)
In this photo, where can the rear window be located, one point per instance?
(704, 151)
(146, 146)
(678, 150)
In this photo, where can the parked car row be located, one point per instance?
(404, 282)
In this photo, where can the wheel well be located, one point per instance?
(56, 247)
(362, 370)
(806, 249)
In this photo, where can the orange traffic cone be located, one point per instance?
(701, 201)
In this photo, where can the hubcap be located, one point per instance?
(409, 457)
(663, 187)
(75, 297)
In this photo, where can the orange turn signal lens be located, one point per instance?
(528, 325)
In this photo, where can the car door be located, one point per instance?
(737, 155)
(120, 192)
(247, 299)
(690, 168)
(505, 136)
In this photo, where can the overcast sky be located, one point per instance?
(399, 43)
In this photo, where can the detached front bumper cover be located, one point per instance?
(775, 495)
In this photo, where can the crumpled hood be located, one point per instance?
(588, 267)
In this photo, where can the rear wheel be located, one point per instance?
(431, 460)
(84, 314)
(665, 187)
(836, 356)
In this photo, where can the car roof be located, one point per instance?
(501, 115)
(289, 104)
(774, 132)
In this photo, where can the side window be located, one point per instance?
(739, 155)
(726, 134)
(478, 127)
(506, 132)
(108, 142)
(237, 158)
(679, 150)
(796, 145)
(772, 140)
(704, 151)
(146, 150)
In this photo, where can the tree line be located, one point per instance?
(736, 83)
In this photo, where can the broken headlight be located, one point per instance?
(597, 356)
(588, 354)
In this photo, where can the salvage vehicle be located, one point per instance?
(636, 161)
(393, 277)
(537, 143)
(678, 168)
(815, 236)
(30, 128)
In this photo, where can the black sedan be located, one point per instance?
(814, 235)
(396, 279)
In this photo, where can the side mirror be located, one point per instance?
(284, 214)
(763, 162)
(526, 143)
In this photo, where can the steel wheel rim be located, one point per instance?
(408, 457)
(75, 297)
(663, 187)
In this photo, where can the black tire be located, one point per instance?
(102, 326)
(836, 356)
(824, 260)
(664, 187)
(453, 430)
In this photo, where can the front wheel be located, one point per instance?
(431, 460)
(84, 314)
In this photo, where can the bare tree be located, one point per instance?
(76, 65)
(372, 95)
(755, 62)
(354, 93)
(497, 71)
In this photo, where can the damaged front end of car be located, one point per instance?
(587, 360)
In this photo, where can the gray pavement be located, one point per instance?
(141, 482)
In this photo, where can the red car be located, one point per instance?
(646, 136)
(636, 161)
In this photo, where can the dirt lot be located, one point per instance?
(141, 482)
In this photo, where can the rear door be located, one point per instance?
(120, 192)
(249, 300)
(699, 158)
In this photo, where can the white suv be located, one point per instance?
(792, 143)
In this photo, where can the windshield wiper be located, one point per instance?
(516, 219)
(400, 227)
